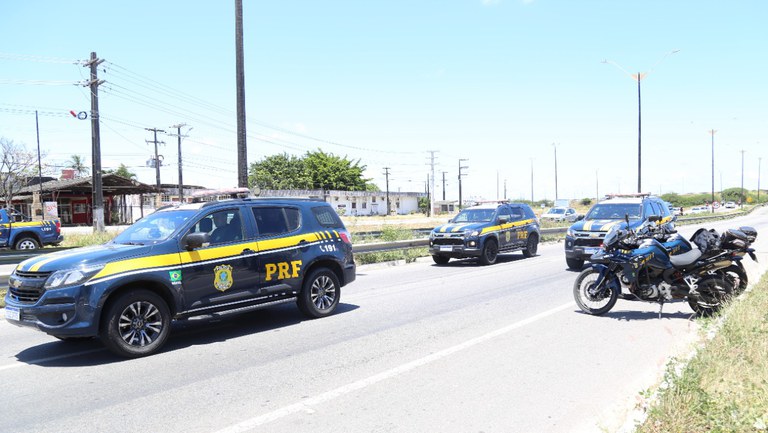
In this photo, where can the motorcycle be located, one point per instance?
(733, 245)
(637, 261)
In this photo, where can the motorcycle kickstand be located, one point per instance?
(661, 307)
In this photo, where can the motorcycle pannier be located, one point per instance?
(705, 239)
(750, 232)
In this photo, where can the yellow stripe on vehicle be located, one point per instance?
(149, 263)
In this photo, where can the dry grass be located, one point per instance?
(724, 388)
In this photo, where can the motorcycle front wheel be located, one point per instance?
(710, 295)
(591, 301)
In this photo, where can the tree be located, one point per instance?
(17, 165)
(281, 171)
(329, 171)
(122, 171)
(315, 170)
(77, 163)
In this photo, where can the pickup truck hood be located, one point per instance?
(84, 256)
(600, 225)
(460, 227)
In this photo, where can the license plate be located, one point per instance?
(446, 248)
(12, 313)
(591, 250)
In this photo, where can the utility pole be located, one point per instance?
(386, 176)
(712, 132)
(444, 185)
(531, 181)
(432, 179)
(429, 196)
(461, 204)
(179, 136)
(505, 188)
(242, 147)
(157, 163)
(98, 194)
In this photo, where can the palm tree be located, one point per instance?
(77, 163)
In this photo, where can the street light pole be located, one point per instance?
(555, 146)
(759, 161)
(742, 179)
(638, 77)
(712, 132)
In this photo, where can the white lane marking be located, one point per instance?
(44, 360)
(305, 404)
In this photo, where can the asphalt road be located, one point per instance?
(413, 348)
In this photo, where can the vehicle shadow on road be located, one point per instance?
(502, 258)
(198, 332)
(630, 315)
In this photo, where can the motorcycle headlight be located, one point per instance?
(71, 277)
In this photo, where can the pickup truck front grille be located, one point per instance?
(27, 287)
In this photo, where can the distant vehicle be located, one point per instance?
(484, 231)
(699, 209)
(19, 232)
(561, 214)
(730, 205)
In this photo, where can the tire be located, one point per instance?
(531, 246)
(490, 252)
(136, 324)
(737, 276)
(591, 303)
(710, 295)
(320, 294)
(575, 264)
(26, 243)
(441, 260)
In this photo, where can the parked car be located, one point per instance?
(561, 214)
(699, 209)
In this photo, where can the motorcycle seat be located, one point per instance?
(686, 258)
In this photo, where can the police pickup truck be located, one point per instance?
(184, 261)
(19, 233)
(584, 237)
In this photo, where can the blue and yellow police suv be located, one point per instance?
(20, 233)
(190, 260)
(584, 238)
(485, 230)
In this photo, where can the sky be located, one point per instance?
(524, 91)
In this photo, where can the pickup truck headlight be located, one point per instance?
(71, 277)
(471, 233)
(569, 232)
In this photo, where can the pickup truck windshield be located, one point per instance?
(474, 216)
(613, 211)
(153, 228)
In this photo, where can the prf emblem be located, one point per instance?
(222, 279)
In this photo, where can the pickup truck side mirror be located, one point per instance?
(195, 240)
